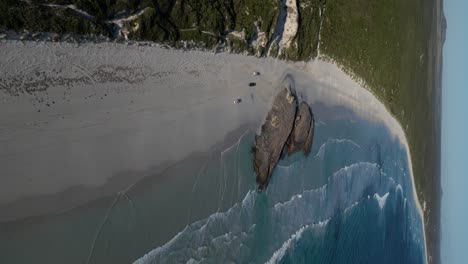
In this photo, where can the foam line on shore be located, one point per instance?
(351, 93)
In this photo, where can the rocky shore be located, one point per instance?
(288, 128)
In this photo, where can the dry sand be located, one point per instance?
(112, 109)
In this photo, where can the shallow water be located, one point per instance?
(349, 201)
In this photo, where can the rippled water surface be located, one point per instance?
(349, 201)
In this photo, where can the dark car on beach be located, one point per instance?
(252, 84)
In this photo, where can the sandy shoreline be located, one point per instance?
(106, 113)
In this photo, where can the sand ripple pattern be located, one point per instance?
(189, 71)
(41, 77)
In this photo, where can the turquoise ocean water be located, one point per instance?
(349, 201)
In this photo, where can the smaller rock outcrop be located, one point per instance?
(303, 132)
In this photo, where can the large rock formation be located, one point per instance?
(274, 133)
(287, 127)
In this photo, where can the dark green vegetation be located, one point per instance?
(390, 44)
(18, 15)
(206, 23)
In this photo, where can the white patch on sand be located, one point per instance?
(259, 39)
(74, 8)
(124, 25)
(238, 34)
(291, 24)
(321, 11)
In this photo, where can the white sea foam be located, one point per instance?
(399, 189)
(331, 141)
(193, 261)
(237, 225)
(279, 254)
(381, 200)
(344, 187)
(351, 207)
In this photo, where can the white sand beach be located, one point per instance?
(114, 109)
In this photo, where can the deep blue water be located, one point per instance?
(350, 201)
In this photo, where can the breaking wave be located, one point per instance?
(233, 235)
(346, 203)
